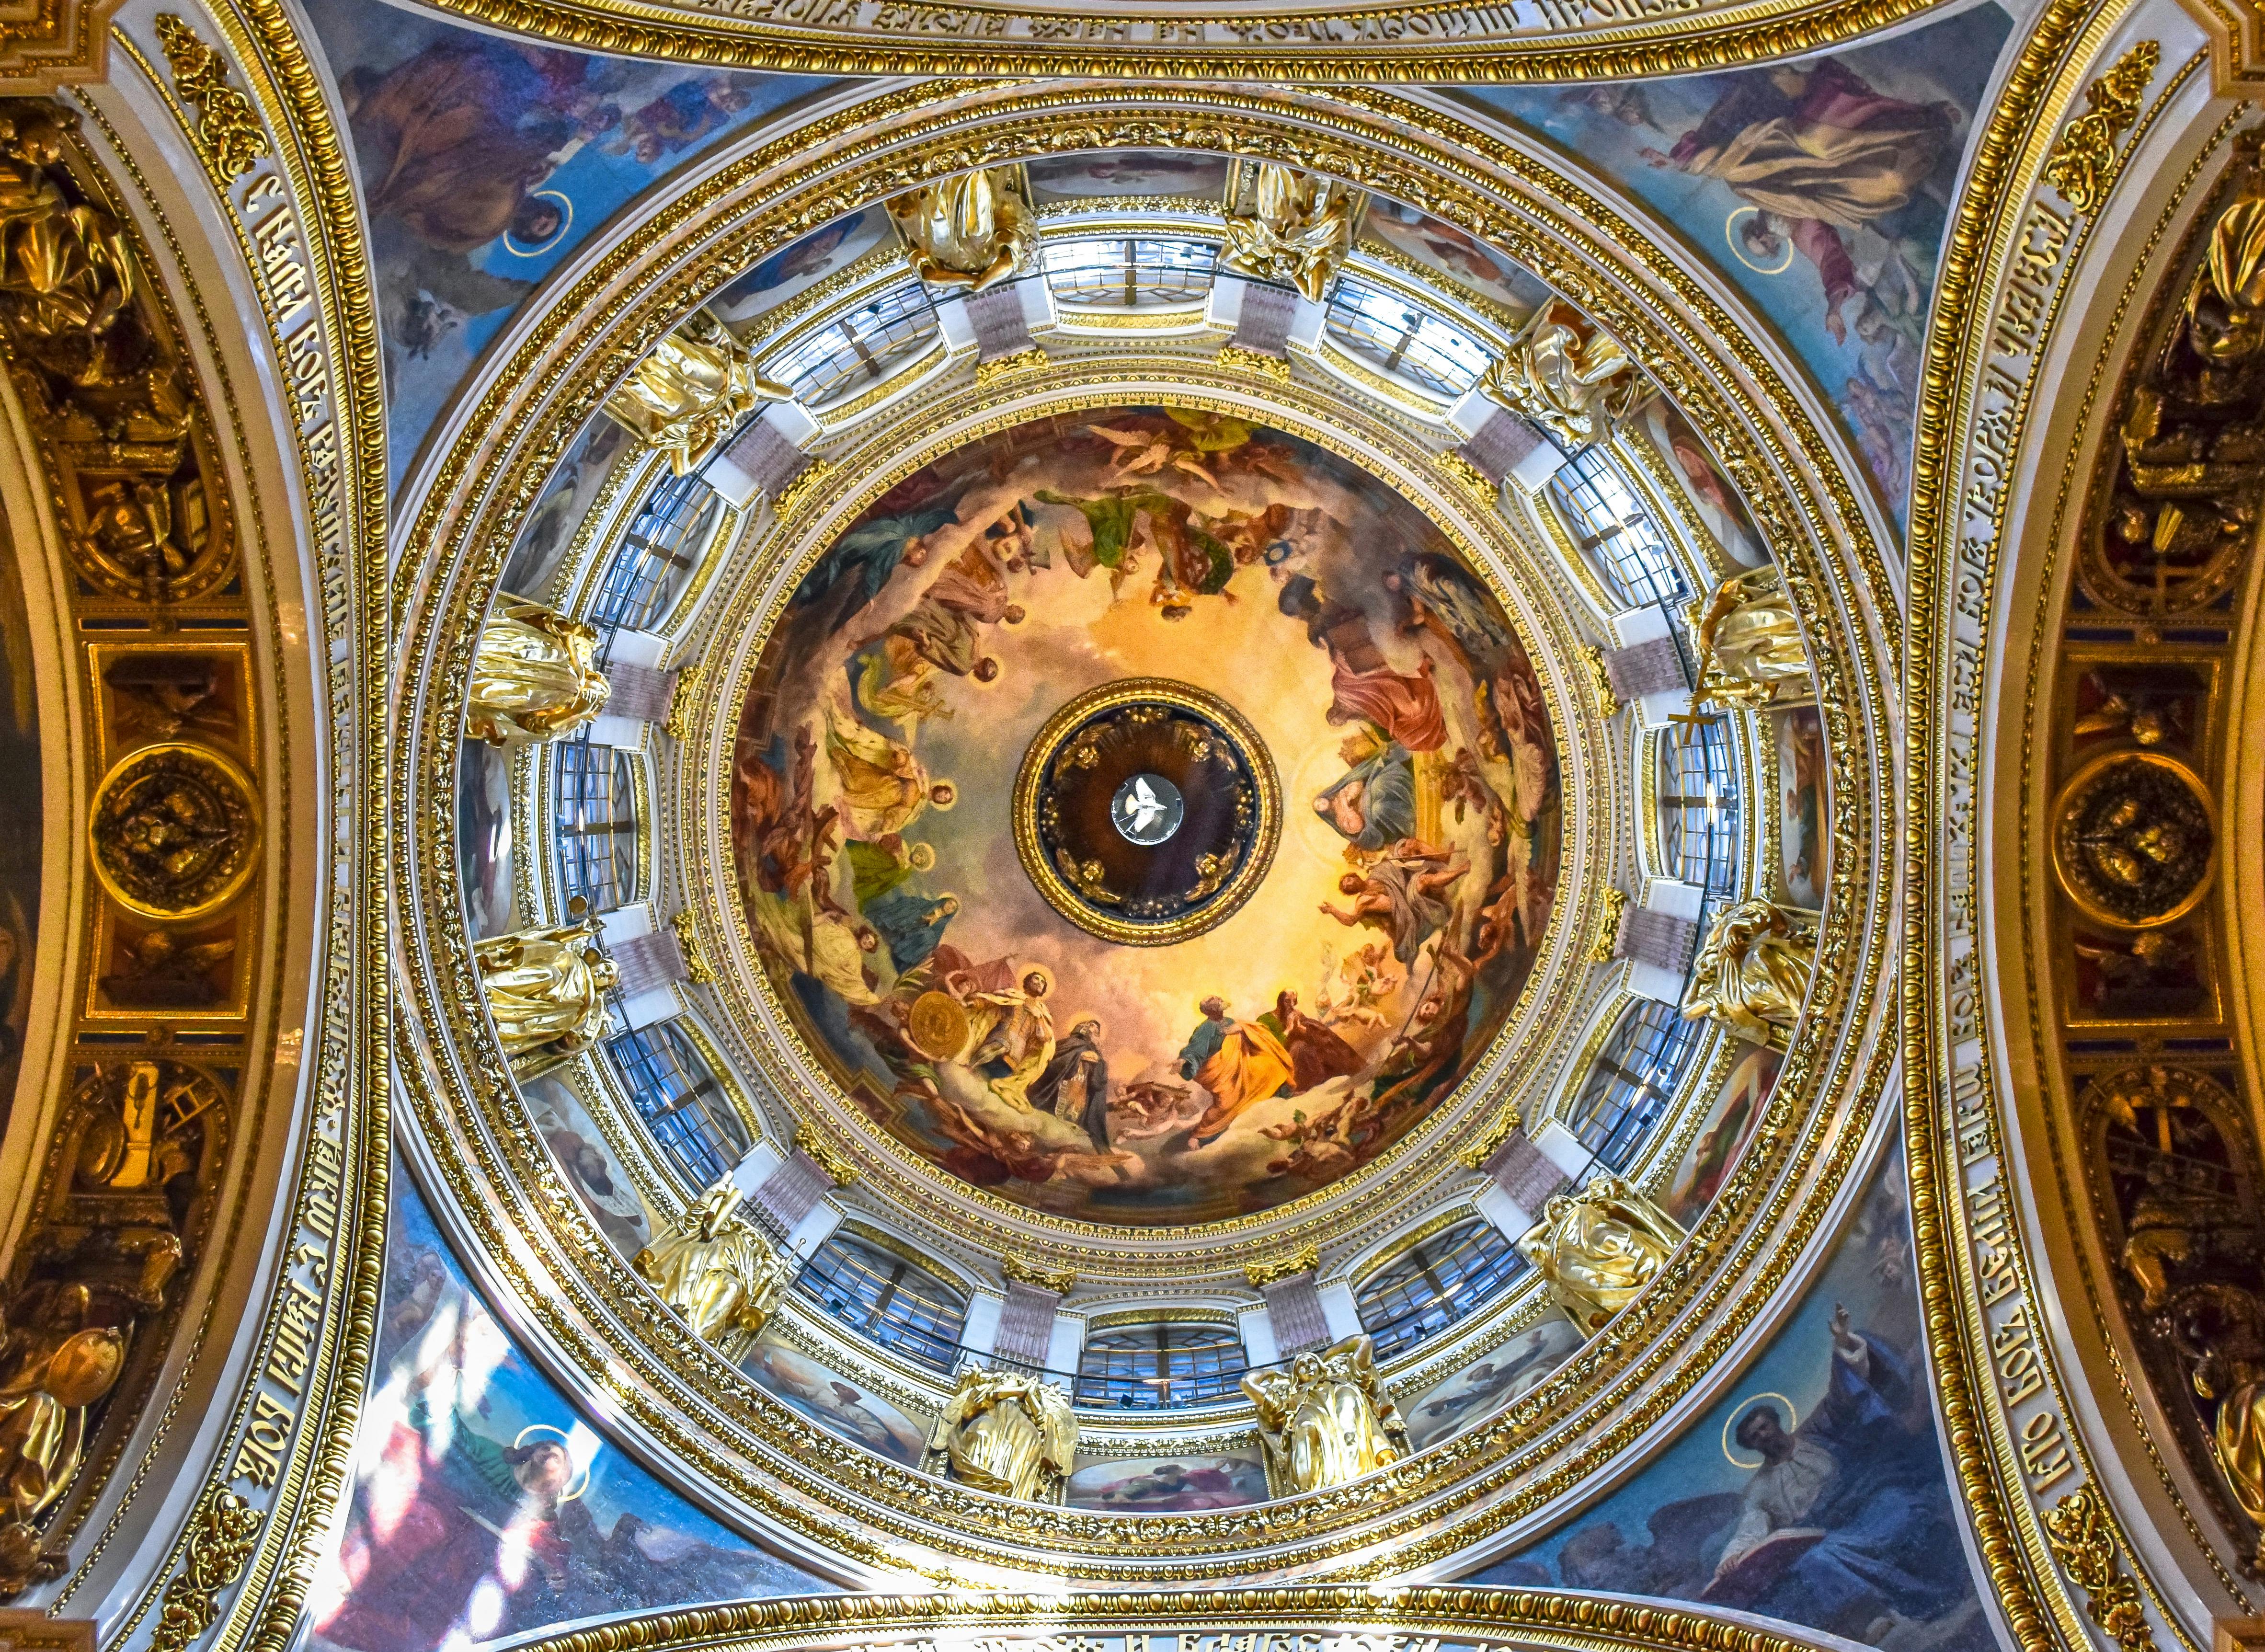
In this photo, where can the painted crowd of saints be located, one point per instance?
(918, 656)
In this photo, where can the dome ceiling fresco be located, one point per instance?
(1352, 653)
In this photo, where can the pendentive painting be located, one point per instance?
(1148, 816)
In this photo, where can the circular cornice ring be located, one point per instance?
(695, 1414)
(1414, 40)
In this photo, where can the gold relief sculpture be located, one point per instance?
(54, 1367)
(1596, 1247)
(1606, 948)
(1488, 1141)
(1748, 640)
(1327, 1420)
(1296, 228)
(1243, 358)
(998, 367)
(1004, 1432)
(2134, 839)
(1061, 1282)
(2220, 1331)
(973, 230)
(692, 392)
(174, 829)
(1305, 1259)
(1600, 683)
(2083, 1541)
(2186, 500)
(838, 1169)
(1467, 476)
(229, 134)
(717, 1272)
(221, 1540)
(535, 675)
(546, 989)
(2084, 163)
(1753, 970)
(1566, 375)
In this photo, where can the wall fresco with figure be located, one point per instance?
(1187, 1484)
(1398, 921)
(1484, 1386)
(590, 1166)
(1451, 255)
(484, 161)
(1110, 174)
(1723, 1134)
(832, 1402)
(1713, 499)
(1819, 186)
(484, 1506)
(803, 264)
(1804, 806)
(1818, 1491)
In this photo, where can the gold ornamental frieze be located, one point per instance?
(1413, 41)
(633, 1355)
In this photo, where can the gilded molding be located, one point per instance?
(1061, 1282)
(2083, 1541)
(1305, 1259)
(2084, 164)
(228, 132)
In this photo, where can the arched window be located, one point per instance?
(860, 350)
(682, 1102)
(1159, 1364)
(1129, 273)
(595, 821)
(1613, 530)
(1632, 1079)
(1395, 336)
(1434, 1282)
(662, 546)
(1698, 805)
(874, 1291)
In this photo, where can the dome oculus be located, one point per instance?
(1352, 751)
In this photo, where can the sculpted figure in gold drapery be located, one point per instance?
(1297, 230)
(52, 1370)
(2220, 1328)
(1326, 1420)
(535, 675)
(1748, 640)
(1752, 972)
(690, 394)
(717, 1272)
(67, 276)
(1005, 1432)
(974, 230)
(546, 989)
(1596, 1247)
(1566, 375)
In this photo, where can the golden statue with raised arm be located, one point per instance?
(1005, 1432)
(1753, 970)
(546, 989)
(535, 675)
(717, 1272)
(1566, 375)
(1596, 1247)
(692, 392)
(1748, 640)
(1297, 230)
(1326, 1420)
(973, 230)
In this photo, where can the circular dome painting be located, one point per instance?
(1146, 815)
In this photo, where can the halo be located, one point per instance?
(1730, 234)
(566, 1444)
(1792, 1422)
(566, 222)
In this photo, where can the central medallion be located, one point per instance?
(1147, 811)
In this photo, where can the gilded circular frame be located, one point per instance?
(2076, 888)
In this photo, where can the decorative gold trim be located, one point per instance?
(1605, 948)
(1305, 1259)
(229, 134)
(683, 696)
(696, 969)
(814, 477)
(1118, 1319)
(1007, 366)
(1488, 1141)
(1062, 1283)
(1608, 700)
(2083, 1539)
(1467, 476)
(838, 1169)
(1243, 358)
(2084, 164)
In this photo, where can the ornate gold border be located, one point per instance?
(1161, 691)
(1410, 40)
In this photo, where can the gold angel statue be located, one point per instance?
(1596, 1247)
(535, 675)
(1753, 970)
(1748, 640)
(717, 1272)
(1566, 375)
(973, 230)
(1326, 1420)
(546, 989)
(1005, 1432)
(1298, 230)
(692, 392)
(52, 1370)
